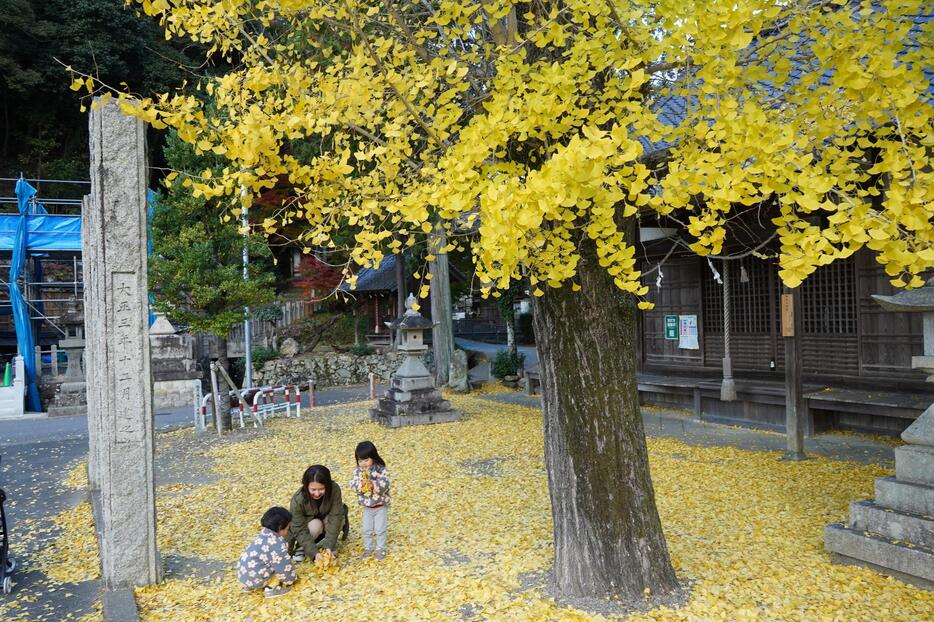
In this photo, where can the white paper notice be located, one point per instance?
(687, 332)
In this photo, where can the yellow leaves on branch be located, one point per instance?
(554, 122)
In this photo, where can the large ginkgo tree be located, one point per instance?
(544, 130)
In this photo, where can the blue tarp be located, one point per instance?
(24, 337)
(36, 231)
(45, 232)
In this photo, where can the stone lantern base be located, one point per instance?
(71, 398)
(894, 533)
(412, 401)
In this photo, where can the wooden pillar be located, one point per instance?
(443, 330)
(795, 416)
(728, 385)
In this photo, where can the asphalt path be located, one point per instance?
(36, 455)
(490, 349)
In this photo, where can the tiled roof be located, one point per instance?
(382, 279)
(672, 109)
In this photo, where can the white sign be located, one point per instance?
(687, 332)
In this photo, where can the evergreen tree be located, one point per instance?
(196, 269)
(43, 132)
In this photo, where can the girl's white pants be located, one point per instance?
(374, 528)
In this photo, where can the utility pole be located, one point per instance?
(247, 337)
(443, 331)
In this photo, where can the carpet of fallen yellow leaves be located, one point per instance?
(470, 524)
(470, 527)
(73, 556)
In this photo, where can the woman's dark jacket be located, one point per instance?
(330, 511)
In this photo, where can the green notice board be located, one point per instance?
(671, 327)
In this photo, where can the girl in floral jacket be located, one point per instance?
(371, 483)
(266, 563)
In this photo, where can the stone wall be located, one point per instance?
(328, 369)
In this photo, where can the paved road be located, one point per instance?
(37, 455)
(490, 349)
(27, 431)
(31, 430)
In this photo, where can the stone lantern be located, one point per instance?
(72, 343)
(894, 533)
(919, 300)
(412, 397)
(71, 395)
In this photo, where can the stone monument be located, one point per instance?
(894, 533)
(175, 374)
(458, 374)
(412, 397)
(119, 378)
(71, 394)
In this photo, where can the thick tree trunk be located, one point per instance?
(222, 387)
(442, 338)
(608, 536)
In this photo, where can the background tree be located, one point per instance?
(317, 279)
(544, 128)
(42, 131)
(195, 271)
(507, 310)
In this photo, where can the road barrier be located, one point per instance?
(264, 402)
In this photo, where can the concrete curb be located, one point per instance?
(120, 606)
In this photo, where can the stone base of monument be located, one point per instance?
(174, 393)
(71, 398)
(175, 375)
(894, 533)
(412, 401)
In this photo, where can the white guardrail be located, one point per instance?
(261, 403)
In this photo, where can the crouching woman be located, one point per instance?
(319, 515)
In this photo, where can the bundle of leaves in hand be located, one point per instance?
(326, 561)
(366, 486)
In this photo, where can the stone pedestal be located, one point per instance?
(458, 378)
(412, 398)
(11, 397)
(406, 403)
(119, 379)
(70, 399)
(175, 374)
(894, 533)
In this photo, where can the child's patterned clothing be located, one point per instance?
(371, 486)
(268, 554)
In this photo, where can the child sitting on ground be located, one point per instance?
(266, 563)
